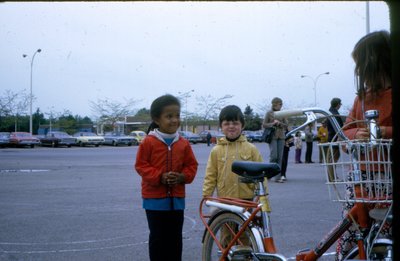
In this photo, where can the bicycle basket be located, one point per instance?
(362, 172)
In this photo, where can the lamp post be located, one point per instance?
(315, 84)
(31, 94)
(185, 95)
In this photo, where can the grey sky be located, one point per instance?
(141, 50)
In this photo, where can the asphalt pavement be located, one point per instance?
(85, 204)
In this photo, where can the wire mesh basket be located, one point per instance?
(358, 170)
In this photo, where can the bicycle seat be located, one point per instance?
(255, 170)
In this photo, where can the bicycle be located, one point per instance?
(366, 170)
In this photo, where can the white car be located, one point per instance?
(88, 138)
(115, 139)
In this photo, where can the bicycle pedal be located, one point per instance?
(238, 252)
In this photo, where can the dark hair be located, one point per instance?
(335, 102)
(157, 107)
(231, 113)
(372, 56)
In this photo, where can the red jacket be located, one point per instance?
(381, 102)
(155, 157)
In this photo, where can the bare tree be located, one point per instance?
(14, 104)
(110, 112)
(209, 106)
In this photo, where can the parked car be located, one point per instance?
(116, 139)
(253, 136)
(88, 138)
(57, 138)
(190, 136)
(248, 134)
(214, 135)
(4, 139)
(138, 135)
(22, 139)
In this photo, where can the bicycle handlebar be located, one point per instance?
(311, 117)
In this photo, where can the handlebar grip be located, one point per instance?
(288, 113)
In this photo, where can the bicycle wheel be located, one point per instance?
(224, 226)
(380, 251)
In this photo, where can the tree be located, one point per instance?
(143, 115)
(252, 121)
(110, 112)
(14, 104)
(209, 107)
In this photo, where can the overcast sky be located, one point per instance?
(141, 50)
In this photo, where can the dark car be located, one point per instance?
(57, 138)
(190, 136)
(253, 136)
(23, 139)
(4, 139)
(116, 139)
(214, 135)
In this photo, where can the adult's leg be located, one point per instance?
(333, 155)
(308, 152)
(273, 151)
(276, 150)
(284, 161)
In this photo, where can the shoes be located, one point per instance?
(298, 162)
(281, 180)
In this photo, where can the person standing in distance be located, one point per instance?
(334, 154)
(309, 139)
(166, 162)
(278, 140)
(322, 138)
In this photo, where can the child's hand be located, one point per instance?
(175, 178)
(362, 134)
(164, 178)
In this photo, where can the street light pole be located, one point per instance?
(31, 94)
(315, 84)
(186, 95)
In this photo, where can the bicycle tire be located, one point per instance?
(380, 251)
(210, 251)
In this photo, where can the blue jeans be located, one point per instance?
(276, 151)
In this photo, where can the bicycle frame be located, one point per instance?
(248, 210)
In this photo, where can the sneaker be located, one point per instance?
(283, 178)
(279, 181)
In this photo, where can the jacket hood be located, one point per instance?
(159, 135)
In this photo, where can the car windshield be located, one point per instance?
(58, 134)
(85, 134)
(23, 135)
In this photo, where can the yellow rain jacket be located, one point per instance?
(219, 176)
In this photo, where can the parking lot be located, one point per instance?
(85, 204)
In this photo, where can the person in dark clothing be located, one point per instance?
(309, 143)
(285, 156)
(209, 138)
(336, 103)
